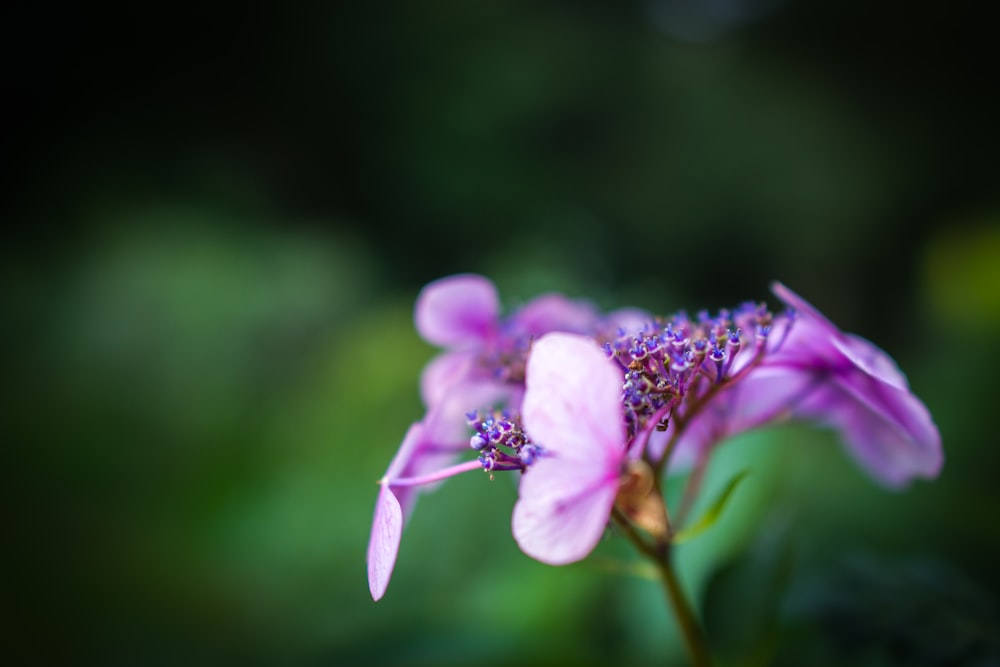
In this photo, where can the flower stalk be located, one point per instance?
(660, 552)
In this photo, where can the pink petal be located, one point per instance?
(572, 408)
(415, 457)
(572, 404)
(457, 311)
(563, 510)
(412, 441)
(383, 546)
(446, 420)
(442, 373)
(554, 312)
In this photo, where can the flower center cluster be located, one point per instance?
(501, 442)
(506, 358)
(668, 360)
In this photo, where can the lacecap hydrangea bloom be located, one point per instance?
(590, 409)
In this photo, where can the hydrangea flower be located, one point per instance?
(599, 426)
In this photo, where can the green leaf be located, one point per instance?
(713, 513)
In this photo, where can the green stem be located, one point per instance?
(694, 638)
(659, 553)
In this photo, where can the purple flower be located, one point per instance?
(595, 419)
(573, 409)
(860, 392)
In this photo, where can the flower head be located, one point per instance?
(588, 430)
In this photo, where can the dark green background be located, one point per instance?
(219, 217)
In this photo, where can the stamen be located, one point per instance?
(502, 443)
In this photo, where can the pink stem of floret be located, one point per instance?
(434, 476)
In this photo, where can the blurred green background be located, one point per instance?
(219, 218)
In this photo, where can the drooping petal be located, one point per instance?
(457, 311)
(795, 301)
(416, 455)
(865, 396)
(572, 408)
(412, 442)
(818, 334)
(383, 545)
(871, 359)
(889, 430)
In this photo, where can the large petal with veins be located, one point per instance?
(572, 408)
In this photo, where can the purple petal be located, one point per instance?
(416, 456)
(808, 344)
(885, 427)
(793, 300)
(572, 408)
(446, 422)
(405, 454)
(442, 373)
(815, 333)
(889, 430)
(554, 312)
(457, 311)
(383, 545)
(871, 359)
(766, 396)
